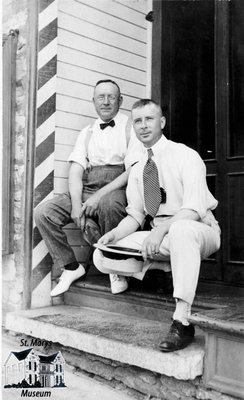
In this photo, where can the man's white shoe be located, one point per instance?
(118, 283)
(66, 279)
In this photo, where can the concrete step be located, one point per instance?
(127, 339)
(138, 301)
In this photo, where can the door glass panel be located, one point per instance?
(236, 78)
(211, 182)
(236, 221)
(188, 68)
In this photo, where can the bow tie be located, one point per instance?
(105, 124)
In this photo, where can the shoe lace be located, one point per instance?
(175, 327)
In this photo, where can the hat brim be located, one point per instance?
(116, 252)
(126, 267)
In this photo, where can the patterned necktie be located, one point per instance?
(152, 193)
(105, 124)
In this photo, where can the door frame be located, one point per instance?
(30, 151)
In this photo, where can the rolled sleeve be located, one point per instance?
(135, 206)
(79, 153)
(196, 195)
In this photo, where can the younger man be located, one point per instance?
(168, 184)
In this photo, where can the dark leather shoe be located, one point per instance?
(178, 337)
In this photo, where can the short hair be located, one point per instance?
(107, 81)
(144, 102)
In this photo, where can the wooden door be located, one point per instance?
(198, 77)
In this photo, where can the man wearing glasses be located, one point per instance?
(96, 201)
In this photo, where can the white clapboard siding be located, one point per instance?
(65, 137)
(72, 121)
(135, 5)
(105, 19)
(98, 64)
(97, 39)
(118, 10)
(78, 74)
(90, 46)
(62, 152)
(74, 105)
(62, 168)
(77, 24)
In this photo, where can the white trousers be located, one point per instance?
(186, 244)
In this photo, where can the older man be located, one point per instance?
(98, 174)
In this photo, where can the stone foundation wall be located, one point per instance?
(15, 16)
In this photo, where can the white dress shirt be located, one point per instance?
(182, 174)
(107, 146)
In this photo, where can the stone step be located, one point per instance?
(140, 302)
(119, 337)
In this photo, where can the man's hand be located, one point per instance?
(151, 244)
(77, 215)
(91, 205)
(109, 237)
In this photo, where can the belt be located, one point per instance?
(163, 216)
(107, 166)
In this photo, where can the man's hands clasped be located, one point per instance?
(80, 211)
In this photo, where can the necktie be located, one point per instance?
(152, 192)
(105, 124)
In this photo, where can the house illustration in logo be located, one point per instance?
(27, 365)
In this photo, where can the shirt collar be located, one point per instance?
(159, 145)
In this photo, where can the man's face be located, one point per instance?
(148, 124)
(107, 100)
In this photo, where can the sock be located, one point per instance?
(182, 311)
(72, 266)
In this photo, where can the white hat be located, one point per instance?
(126, 267)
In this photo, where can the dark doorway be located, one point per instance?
(198, 77)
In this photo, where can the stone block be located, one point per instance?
(8, 268)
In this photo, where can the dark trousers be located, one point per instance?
(54, 214)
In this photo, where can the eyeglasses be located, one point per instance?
(101, 98)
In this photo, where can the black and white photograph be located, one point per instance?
(122, 199)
